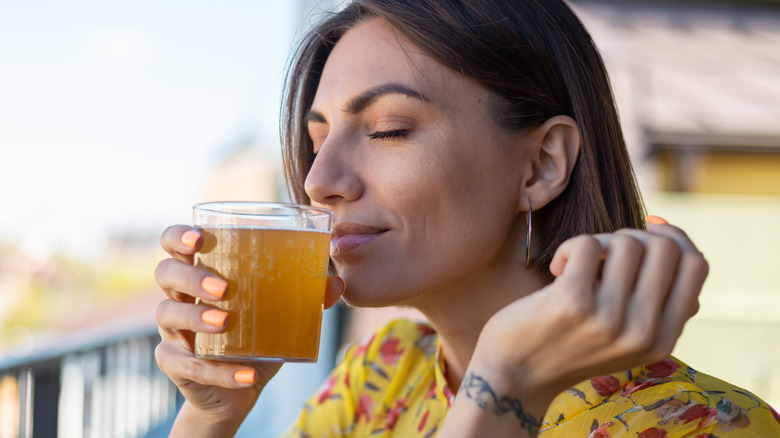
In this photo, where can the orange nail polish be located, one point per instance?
(655, 220)
(214, 317)
(190, 238)
(214, 286)
(244, 376)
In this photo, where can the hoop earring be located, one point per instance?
(528, 234)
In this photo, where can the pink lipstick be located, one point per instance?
(348, 237)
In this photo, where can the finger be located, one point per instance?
(622, 264)
(658, 273)
(184, 368)
(173, 315)
(181, 242)
(693, 271)
(579, 259)
(671, 231)
(334, 289)
(683, 301)
(176, 277)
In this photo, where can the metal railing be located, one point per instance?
(103, 383)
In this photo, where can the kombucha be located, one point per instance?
(276, 289)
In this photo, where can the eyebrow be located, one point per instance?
(368, 97)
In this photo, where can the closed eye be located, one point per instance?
(389, 135)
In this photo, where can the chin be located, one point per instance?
(356, 297)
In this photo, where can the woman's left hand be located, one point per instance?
(619, 300)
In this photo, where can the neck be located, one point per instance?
(459, 311)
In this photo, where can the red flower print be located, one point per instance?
(424, 420)
(704, 435)
(327, 389)
(653, 432)
(425, 330)
(448, 394)
(700, 412)
(395, 412)
(775, 414)
(432, 391)
(605, 385)
(664, 368)
(632, 387)
(364, 407)
(389, 351)
(600, 431)
(364, 345)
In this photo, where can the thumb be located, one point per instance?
(334, 288)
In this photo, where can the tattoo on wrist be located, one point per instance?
(479, 390)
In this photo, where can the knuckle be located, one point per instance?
(162, 270)
(162, 311)
(169, 232)
(606, 328)
(159, 313)
(643, 342)
(588, 242)
(628, 244)
(661, 351)
(161, 356)
(695, 308)
(699, 265)
(641, 338)
(193, 370)
(665, 245)
(569, 310)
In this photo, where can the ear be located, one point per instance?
(553, 151)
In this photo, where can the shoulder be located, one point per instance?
(664, 399)
(678, 397)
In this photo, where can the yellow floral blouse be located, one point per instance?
(392, 384)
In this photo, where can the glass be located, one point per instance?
(275, 260)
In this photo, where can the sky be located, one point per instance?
(110, 111)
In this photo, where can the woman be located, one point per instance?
(472, 155)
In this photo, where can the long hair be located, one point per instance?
(537, 60)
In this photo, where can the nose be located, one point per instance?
(334, 176)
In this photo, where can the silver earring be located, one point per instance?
(528, 235)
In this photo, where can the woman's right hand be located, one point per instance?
(219, 394)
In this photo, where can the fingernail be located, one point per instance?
(214, 286)
(190, 238)
(214, 317)
(655, 220)
(244, 376)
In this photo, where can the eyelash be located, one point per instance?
(389, 135)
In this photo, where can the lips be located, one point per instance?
(349, 236)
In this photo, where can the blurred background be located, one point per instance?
(116, 117)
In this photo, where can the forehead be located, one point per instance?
(374, 53)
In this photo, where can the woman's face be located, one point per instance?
(423, 183)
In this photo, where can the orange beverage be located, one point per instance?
(276, 288)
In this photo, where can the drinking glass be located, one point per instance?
(274, 258)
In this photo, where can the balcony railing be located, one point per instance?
(105, 383)
(100, 384)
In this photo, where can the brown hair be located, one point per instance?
(536, 58)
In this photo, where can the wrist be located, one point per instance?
(191, 423)
(489, 404)
(514, 376)
(506, 393)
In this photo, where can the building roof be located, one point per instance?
(693, 73)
